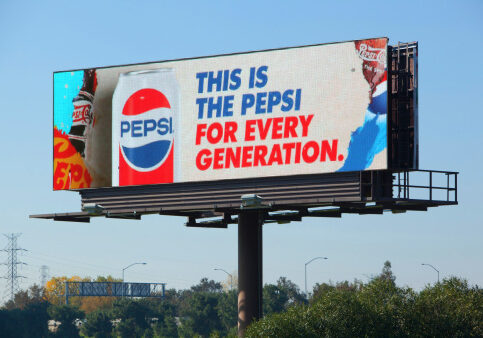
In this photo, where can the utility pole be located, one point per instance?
(11, 276)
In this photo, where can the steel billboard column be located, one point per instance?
(250, 281)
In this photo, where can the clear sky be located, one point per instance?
(38, 38)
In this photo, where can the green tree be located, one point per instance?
(166, 327)
(35, 294)
(35, 319)
(26, 315)
(134, 315)
(321, 289)
(98, 325)
(390, 307)
(277, 298)
(163, 315)
(66, 314)
(206, 285)
(451, 308)
(228, 310)
(381, 309)
(9, 323)
(201, 317)
(386, 273)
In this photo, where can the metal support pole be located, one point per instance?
(66, 293)
(456, 187)
(250, 281)
(447, 187)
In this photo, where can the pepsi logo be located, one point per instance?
(378, 103)
(146, 130)
(369, 53)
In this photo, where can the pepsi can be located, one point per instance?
(145, 114)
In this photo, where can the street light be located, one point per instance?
(313, 259)
(123, 274)
(229, 274)
(433, 269)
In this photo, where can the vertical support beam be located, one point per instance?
(456, 187)
(447, 187)
(250, 270)
(66, 293)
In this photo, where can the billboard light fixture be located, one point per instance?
(92, 208)
(252, 201)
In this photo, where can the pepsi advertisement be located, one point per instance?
(293, 111)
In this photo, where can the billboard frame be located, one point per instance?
(388, 166)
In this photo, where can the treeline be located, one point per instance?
(378, 308)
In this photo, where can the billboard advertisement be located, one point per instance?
(293, 111)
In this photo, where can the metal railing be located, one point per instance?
(402, 183)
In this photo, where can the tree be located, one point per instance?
(66, 314)
(228, 310)
(31, 321)
(390, 306)
(9, 322)
(274, 299)
(98, 325)
(451, 308)
(201, 316)
(386, 273)
(55, 293)
(166, 327)
(26, 315)
(381, 309)
(23, 298)
(321, 289)
(134, 315)
(163, 312)
(206, 285)
(55, 290)
(292, 290)
(277, 298)
(35, 319)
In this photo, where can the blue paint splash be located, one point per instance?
(66, 88)
(370, 139)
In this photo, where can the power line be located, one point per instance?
(11, 276)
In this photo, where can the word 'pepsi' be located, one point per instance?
(140, 128)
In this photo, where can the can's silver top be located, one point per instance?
(148, 71)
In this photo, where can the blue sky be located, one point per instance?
(38, 38)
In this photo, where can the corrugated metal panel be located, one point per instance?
(336, 194)
(278, 191)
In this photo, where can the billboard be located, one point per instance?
(302, 110)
